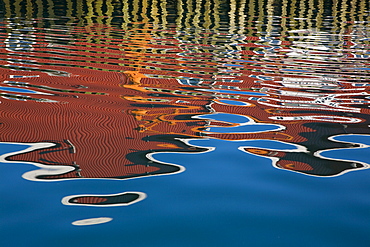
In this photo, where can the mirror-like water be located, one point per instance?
(258, 112)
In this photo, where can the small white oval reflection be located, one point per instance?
(92, 221)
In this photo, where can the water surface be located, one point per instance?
(184, 123)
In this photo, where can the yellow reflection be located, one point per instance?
(232, 13)
(7, 8)
(189, 10)
(18, 7)
(90, 11)
(99, 11)
(284, 20)
(292, 14)
(135, 10)
(29, 9)
(144, 11)
(362, 11)
(80, 12)
(180, 13)
(109, 13)
(164, 13)
(251, 16)
(302, 15)
(310, 22)
(155, 13)
(207, 15)
(242, 16)
(69, 10)
(51, 8)
(196, 18)
(216, 14)
(343, 17)
(319, 16)
(125, 14)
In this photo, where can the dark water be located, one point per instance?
(184, 123)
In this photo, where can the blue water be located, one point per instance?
(233, 102)
(357, 154)
(221, 203)
(18, 90)
(234, 92)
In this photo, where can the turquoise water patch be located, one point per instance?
(233, 92)
(245, 124)
(253, 143)
(19, 90)
(226, 117)
(356, 154)
(234, 102)
(248, 128)
(356, 139)
(6, 148)
(232, 65)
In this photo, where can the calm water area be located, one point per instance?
(185, 123)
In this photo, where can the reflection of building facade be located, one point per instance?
(139, 119)
(89, 129)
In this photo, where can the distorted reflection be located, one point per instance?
(98, 94)
(121, 199)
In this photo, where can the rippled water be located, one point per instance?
(256, 112)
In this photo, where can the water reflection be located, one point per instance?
(92, 221)
(98, 89)
(121, 199)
